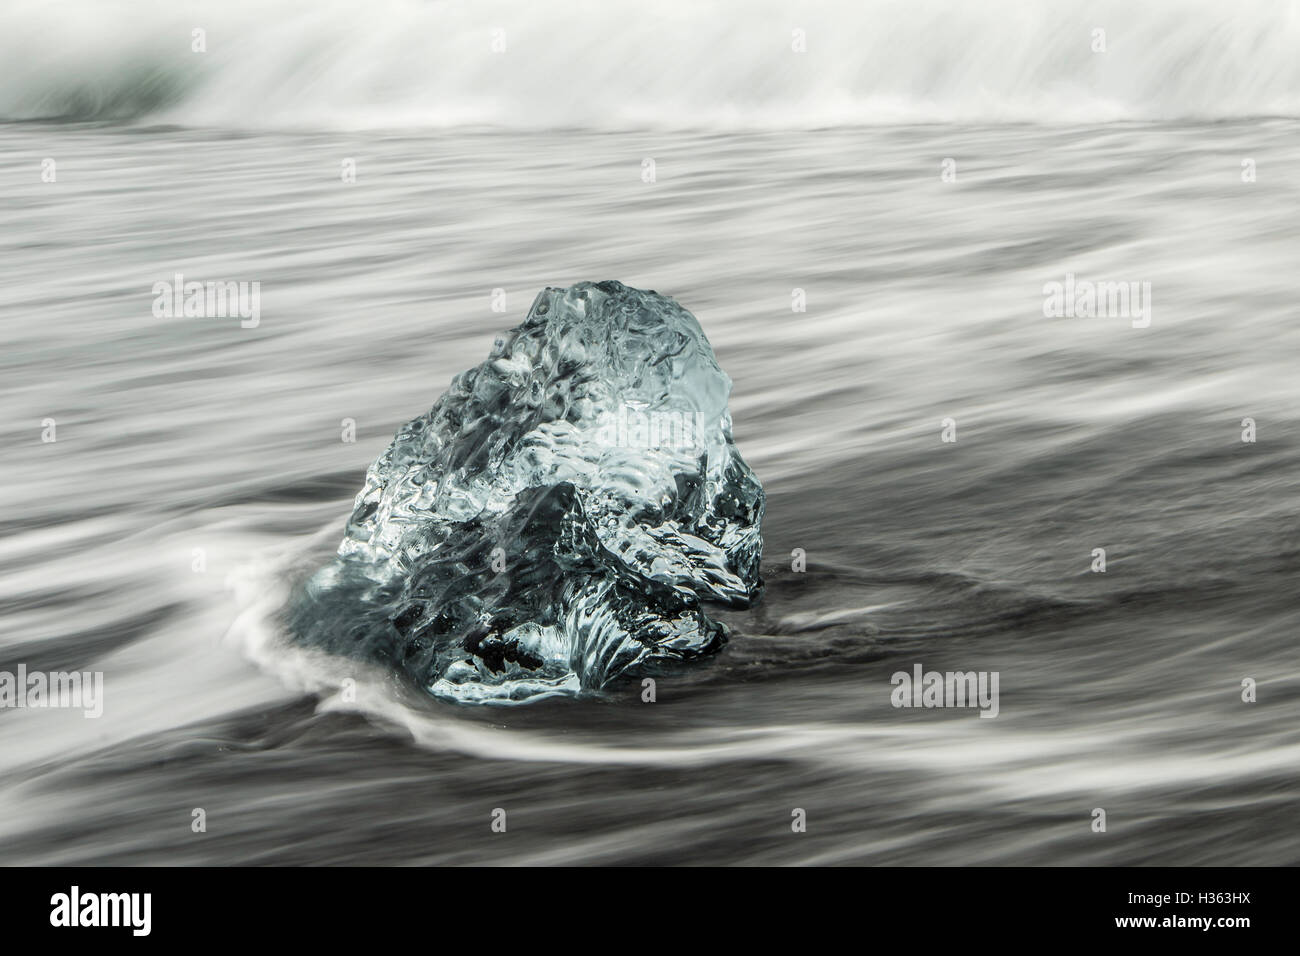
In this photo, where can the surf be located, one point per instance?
(402, 63)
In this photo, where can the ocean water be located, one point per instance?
(199, 468)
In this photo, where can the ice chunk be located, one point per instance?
(559, 516)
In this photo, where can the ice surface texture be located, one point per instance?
(559, 516)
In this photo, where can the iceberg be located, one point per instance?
(564, 513)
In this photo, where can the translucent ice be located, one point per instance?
(559, 516)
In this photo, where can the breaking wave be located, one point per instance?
(514, 63)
